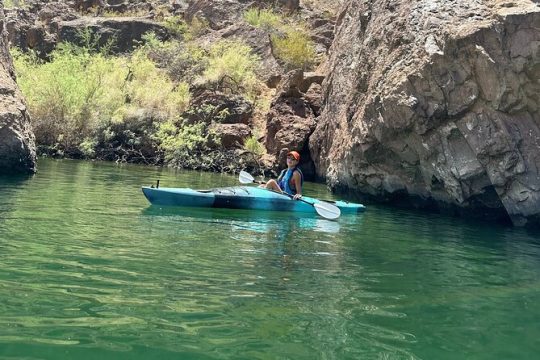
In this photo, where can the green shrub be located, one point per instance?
(263, 18)
(151, 89)
(176, 26)
(71, 95)
(87, 103)
(197, 27)
(88, 148)
(182, 61)
(10, 4)
(180, 142)
(232, 65)
(253, 145)
(81, 98)
(207, 113)
(296, 49)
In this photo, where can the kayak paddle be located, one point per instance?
(246, 178)
(324, 209)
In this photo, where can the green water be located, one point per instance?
(89, 271)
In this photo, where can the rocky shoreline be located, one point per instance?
(441, 110)
(426, 104)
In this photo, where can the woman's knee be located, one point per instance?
(272, 184)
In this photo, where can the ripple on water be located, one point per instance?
(86, 264)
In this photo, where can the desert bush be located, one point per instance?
(263, 18)
(197, 27)
(294, 48)
(176, 26)
(253, 145)
(71, 95)
(10, 4)
(151, 89)
(180, 142)
(89, 103)
(183, 61)
(290, 37)
(231, 66)
(82, 99)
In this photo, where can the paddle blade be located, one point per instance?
(327, 210)
(245, 178)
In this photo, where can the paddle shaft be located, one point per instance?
(289, 195)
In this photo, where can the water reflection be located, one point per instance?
(254, 220)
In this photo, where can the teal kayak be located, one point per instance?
(239, 197)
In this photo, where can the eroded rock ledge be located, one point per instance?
(17, 148)
(436, 102)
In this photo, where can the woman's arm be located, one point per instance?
(297, 179)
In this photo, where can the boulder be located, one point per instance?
(36, 27)
(322, 31)
(43, 25)
(17, 147)
(232, 135)
(436, 103)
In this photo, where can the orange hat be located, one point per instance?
(295, 155)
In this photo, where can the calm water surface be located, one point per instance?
(88, 270)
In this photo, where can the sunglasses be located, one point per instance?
(291, 157)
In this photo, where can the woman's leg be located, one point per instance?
(273, 185)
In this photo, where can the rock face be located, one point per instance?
(41, 25)
(291, 119)
(126, 32)
(17, 148)
(220, 14)
(207, 106)
(232, 135)
(436, 102)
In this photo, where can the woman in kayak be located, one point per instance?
(291, 179)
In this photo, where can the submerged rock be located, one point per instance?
(17, 147)
(436, 103)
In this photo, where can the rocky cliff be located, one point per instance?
(17, 148)
(431, 103)
(435, 103)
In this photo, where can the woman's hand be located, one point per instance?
(297, 196)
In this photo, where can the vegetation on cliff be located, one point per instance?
(88, 103)
(290, 39)
(151, 104)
